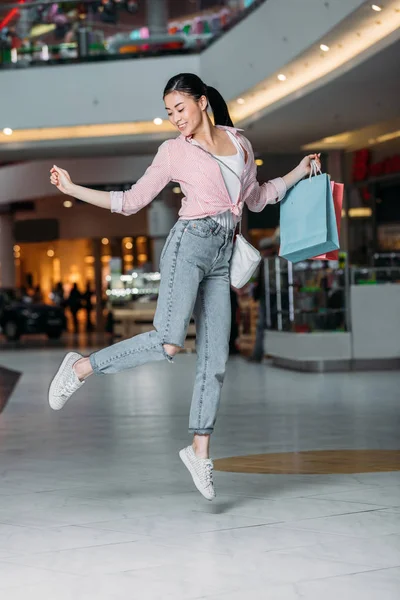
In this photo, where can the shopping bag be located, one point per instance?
(308, 222)
(337, 193)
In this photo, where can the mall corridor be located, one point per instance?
(95, 503)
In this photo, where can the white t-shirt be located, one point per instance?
(236, 162)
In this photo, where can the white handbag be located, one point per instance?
(245, 258)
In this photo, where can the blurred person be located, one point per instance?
(37, 295)
(74, 303)
(57, 16)
(58, 295)
(13, 40)
(88, 305)
(269, 247)
(215, 167)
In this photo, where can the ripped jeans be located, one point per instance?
(194, 269)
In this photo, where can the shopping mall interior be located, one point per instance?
(95, 503)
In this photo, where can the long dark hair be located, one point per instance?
(191, 84)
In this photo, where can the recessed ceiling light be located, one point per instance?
(324, 47)
(282, 77)
(376, 7)
(105, 241)
(241, 100)
(158, 121)
(50, 253)
(176, 189)
(7, 131)
(259, 162)
(67, 203)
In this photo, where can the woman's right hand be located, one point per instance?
(61, 179)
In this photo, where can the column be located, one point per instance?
(157, 17)
(24, 24)
(7, 269)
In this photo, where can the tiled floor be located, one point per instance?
(95, 504)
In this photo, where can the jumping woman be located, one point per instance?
(215, 168)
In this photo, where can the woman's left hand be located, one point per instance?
(305, 164)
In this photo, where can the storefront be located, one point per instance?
(325, 316)
(45, 264)
(374, 205)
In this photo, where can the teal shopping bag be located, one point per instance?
(308, 223)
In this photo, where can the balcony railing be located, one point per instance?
(39, 33)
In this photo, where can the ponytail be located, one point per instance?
(219, 107)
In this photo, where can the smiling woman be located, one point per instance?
(185, 87)
(214, 166)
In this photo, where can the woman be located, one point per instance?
(214, 165)
(74, 302)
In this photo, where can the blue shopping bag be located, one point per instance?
(308, 223)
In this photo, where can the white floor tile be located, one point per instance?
(13, 575)
(275, 592)
(364, 525)
(379, 552)
(110, 558)
(388, 496)
(375, 585)
(245, 541)
(22, 540)
(171, 526)
(288, 509)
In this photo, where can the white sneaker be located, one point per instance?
(65, 382)
(201, 469)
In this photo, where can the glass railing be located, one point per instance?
(375, 275)
(313, 295)
(307, 297)
(385, 269)
(37, 33)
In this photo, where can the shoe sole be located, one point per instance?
(196, 481)
(55, 381)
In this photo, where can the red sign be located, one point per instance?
(364, 170)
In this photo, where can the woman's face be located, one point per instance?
(184, 112)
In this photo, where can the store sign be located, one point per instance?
(363, 169)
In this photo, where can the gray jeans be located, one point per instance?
(194, 269)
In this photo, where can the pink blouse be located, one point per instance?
(201, 182)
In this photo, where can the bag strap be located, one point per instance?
(314, 169)
(231, 170)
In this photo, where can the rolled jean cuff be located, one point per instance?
(95, 368)
(201, 431)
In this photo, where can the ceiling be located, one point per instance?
(365, 95)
